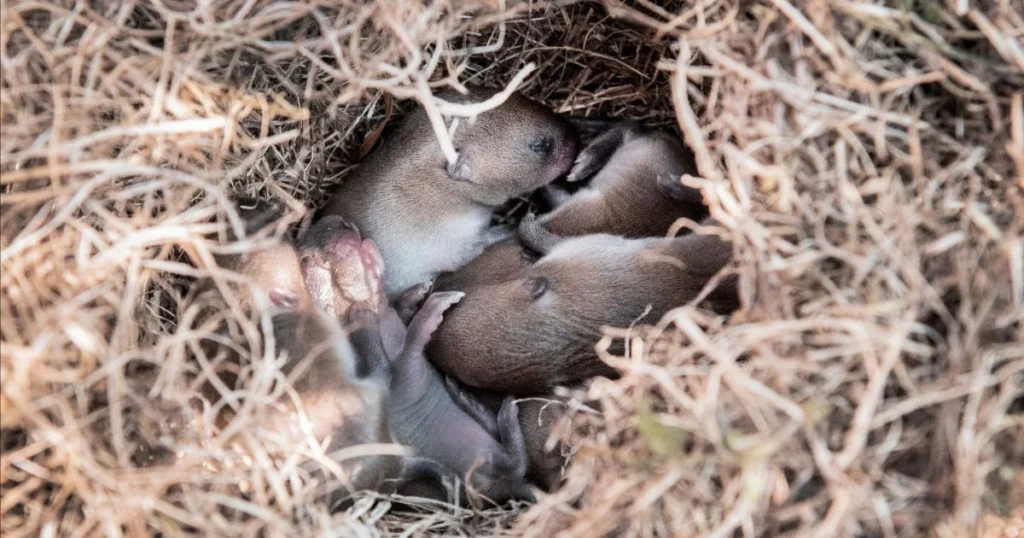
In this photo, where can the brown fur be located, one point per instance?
(635, 193)
(320, 365)
(536, 417)
(427, 216)
(500, 262)
(501, 338)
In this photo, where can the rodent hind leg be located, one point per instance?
(510, 434)
(410, 301)
(506, 479)
(428, 319)
(471, 405)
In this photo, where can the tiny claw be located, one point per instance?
(449, 298)
(576, 173)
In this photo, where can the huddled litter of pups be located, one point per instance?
(405, 316)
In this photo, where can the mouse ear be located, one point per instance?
(459, 170)
(538, 287)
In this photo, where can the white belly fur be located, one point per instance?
(417, 254)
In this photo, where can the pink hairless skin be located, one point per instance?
(344, 272)
(341, 268)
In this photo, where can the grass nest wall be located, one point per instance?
(866, 159)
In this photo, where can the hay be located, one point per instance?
(866, 159)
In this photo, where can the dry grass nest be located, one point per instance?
(866, 159)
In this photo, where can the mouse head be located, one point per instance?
(538, 331)
(595, 280)
(615, 279)
(510, 150)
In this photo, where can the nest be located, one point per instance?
(866, 159)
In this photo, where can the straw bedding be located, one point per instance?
(866, 159)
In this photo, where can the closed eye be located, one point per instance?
(538, 287)
(542, 145)
(528, 256)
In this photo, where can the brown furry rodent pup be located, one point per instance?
(427, 216)
(530, 334)
(335, 392)
(635, 192)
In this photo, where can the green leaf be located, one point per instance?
(666, 441)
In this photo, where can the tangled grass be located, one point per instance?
(866, 159)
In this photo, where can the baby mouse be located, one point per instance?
(530, 334)
(339, 400)
(426, 215)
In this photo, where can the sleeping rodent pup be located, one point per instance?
(427, 215)
(324, 376)
(532, 333)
